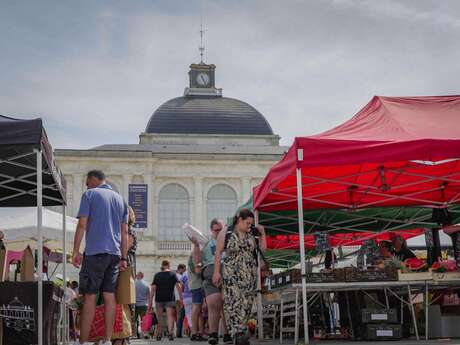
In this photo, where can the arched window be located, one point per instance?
(221, 202)
(173, 212)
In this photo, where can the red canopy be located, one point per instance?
(396, 151)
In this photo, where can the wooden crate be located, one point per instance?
(414, 276)
(271, 297)
(445, 276)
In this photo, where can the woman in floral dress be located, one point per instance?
(238, 272)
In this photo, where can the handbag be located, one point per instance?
(147, 322)
(126, 288)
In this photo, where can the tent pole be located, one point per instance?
(65, 314)
(259, 289)
(40, 246)
(302, 250)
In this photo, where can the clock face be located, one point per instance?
(203, 79)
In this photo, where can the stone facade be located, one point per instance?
(196, 166)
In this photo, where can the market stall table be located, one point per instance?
(420, 286)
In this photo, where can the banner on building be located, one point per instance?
(138, 200)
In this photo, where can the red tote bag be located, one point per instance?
(147, 322)
(98, 326)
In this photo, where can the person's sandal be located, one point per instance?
(213, 339)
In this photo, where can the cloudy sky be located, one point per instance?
(96, 70)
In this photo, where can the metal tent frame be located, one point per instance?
(29, 177)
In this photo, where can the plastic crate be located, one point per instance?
(383, 332)
(379, 316)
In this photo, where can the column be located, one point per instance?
(245, 189)
(199, 204)
(151, 204)
(77, 192)
(125, 188)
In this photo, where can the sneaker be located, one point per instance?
(199, 337)
(228, 339)
(193, 337)
(213, 339)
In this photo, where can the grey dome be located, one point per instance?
(207, 115)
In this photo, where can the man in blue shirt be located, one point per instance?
(103, 218)
(142, 299)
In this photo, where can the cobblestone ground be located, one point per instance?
(185, 341)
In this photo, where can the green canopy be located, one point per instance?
(332, 221)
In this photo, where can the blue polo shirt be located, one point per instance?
(106, 211)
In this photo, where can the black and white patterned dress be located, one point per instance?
(239, 281)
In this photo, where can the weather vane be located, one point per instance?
(201, 48)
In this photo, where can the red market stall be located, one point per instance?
(396, 153)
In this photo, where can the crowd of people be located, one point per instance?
(213, 292)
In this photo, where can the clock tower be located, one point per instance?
(202, 81)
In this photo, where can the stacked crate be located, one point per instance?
(294, 276)
(381, 324)
(353, 274)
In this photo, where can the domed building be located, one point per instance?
(198, 158)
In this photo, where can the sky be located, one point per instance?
(95, 71)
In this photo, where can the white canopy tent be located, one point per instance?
(419, 241)
(19, 224)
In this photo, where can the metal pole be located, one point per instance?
(296, 313)
(387, 302)
(427, 305)
(64, 275)
(40, 246)
(411, 306)
(259, 290)
(302, 247)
